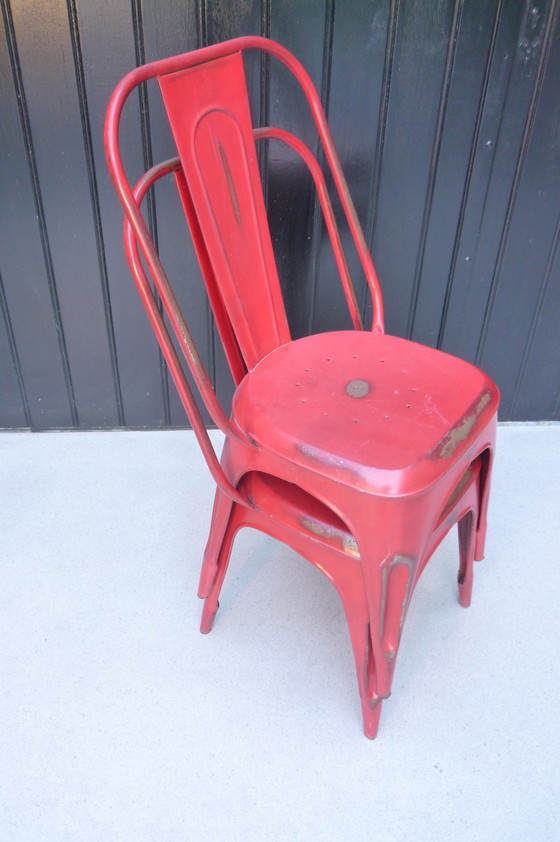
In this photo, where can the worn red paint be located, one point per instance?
(357, 449)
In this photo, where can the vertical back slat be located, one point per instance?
(208, 110)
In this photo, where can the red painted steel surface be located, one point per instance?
(395, 413)
(357, 449)
(208, 111)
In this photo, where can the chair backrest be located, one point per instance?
(218, 179)
(208, 110)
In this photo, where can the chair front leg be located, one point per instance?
(467, 542)
(211, 603)
(221, 514)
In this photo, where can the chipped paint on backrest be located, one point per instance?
(208, 110)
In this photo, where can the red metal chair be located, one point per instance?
(357, 449)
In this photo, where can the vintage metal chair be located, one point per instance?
(357, 449)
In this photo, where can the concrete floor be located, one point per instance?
(119, 721)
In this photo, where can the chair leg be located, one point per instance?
(220, 518)
(366, 630)
(371, 701)
(371, 711)
(388, 616)
(483, 507)
(480, 539)
(389, 582)
(354, 601)
(467, 543)
(211, 603)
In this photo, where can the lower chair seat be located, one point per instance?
(372, 410)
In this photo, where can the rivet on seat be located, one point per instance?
(357, 388)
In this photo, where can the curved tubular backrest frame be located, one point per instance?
(166, 344)
(141, 236)
(313, 165)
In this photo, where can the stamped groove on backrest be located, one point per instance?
(208, 110)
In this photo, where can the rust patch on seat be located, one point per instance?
(333, 535)
(328, 460)
(462, 430)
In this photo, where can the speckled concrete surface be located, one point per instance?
(119, 721)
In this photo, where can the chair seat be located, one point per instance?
(368, 409)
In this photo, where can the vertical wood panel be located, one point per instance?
(355, 103)
(96, 211)
(14, 406)
(450, 59)
(506, 109)
(537, 390)
(421, 49)
(474, 139)
(522, 264)
(458, 138)
(52, 98)
(291, 196)
(108, 49)
(31, 296)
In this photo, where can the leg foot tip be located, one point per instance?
(371, 710)
(465, 599)
(207, 620)
(370, 733)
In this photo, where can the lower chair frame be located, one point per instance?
(367, 628)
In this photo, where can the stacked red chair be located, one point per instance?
(357, 449)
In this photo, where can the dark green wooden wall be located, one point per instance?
(447, 120)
